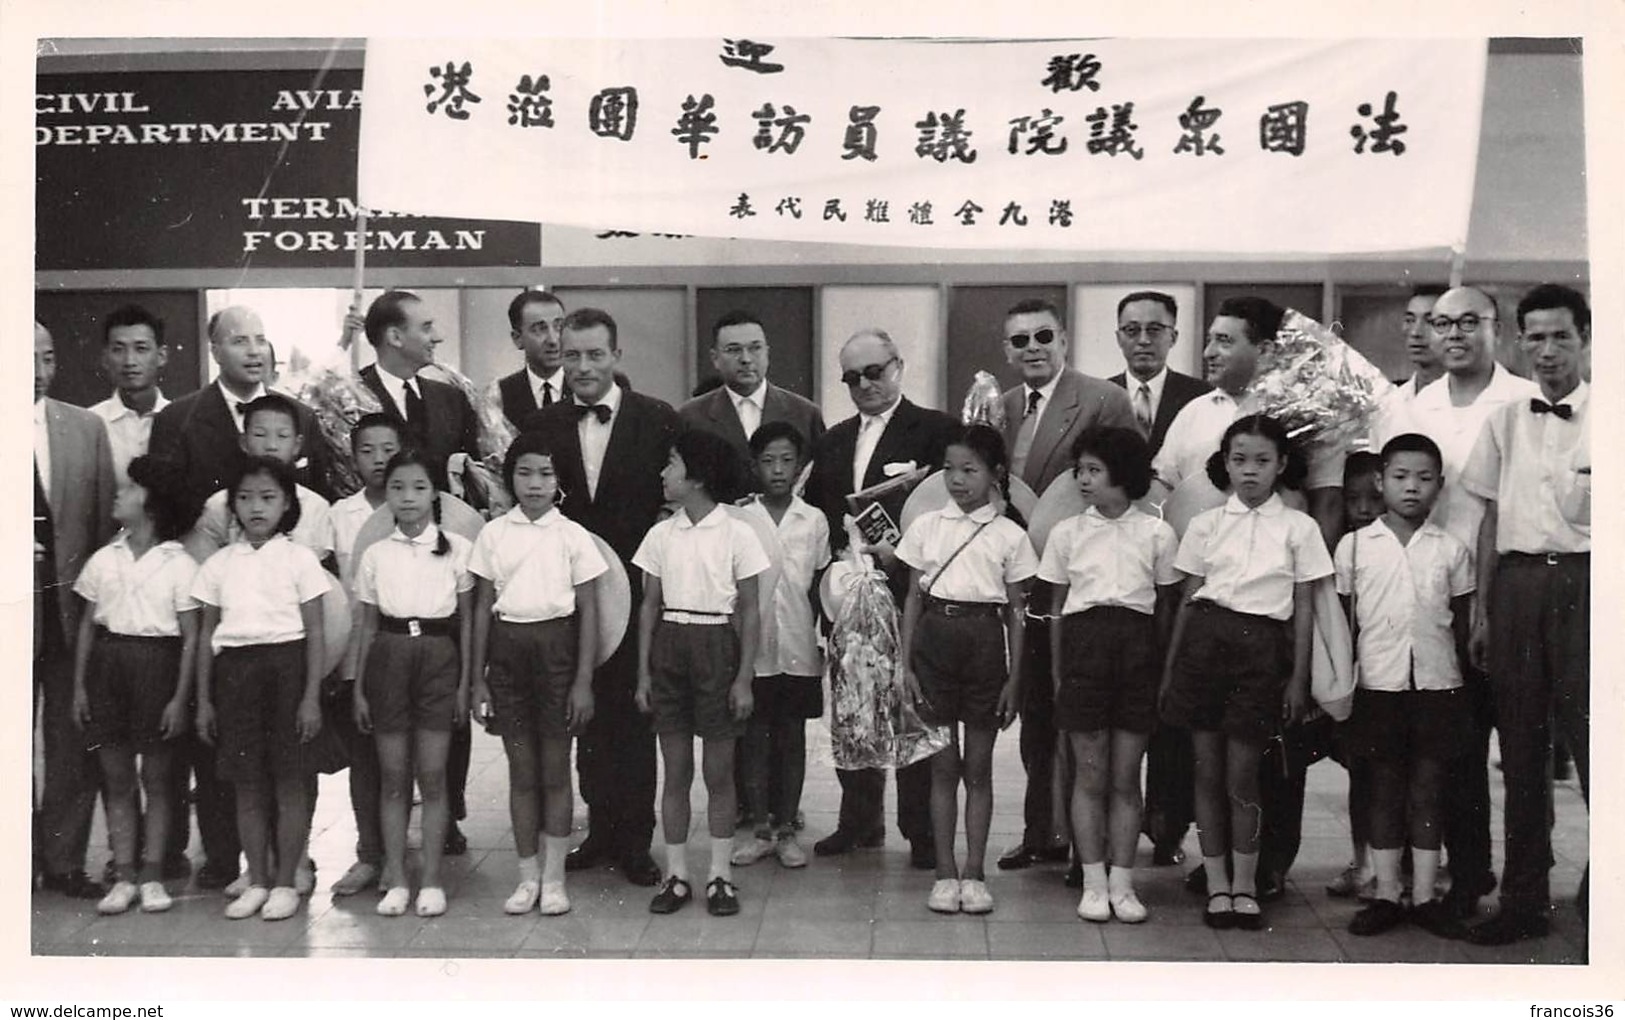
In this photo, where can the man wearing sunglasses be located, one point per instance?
(1043, 416)
(889, 436)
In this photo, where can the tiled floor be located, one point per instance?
(867, 905)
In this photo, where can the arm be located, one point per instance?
(310, 709)
(648, 616)
(1193, 584)
(1057, 602)
(485, 596)
(1326, 507)
(205, 666)
(360, 645)
(1478, 642)
(465, 653)
(748, 618)
(1164, 613)
(911, 619)
(174, 719)
(580, 706)
(1296, 701)
(1015, 634)
(1461, 624)
(81, 662)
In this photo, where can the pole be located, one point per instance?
(356, 283)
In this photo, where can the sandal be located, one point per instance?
(1219, 919)
(669, 899)
(1246, 920)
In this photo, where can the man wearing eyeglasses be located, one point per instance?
(1451, 411)
(746, 400)
(1146, 332)
(534, 317)
(1043, 416)
(888, 437)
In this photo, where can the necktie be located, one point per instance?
(1539, 406)
(602, 412)
(1024, 435)
(1142, 408)
(414, 408)
(750, 417)
(547, 394)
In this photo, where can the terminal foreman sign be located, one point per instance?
(228, 169)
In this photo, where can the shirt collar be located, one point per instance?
(517, 516)
(430, 535)
(39, 411)
(713, 519)
(1155, 383)
(556, 379)
(232, 400)
(759, 397)
(798, 507)
(884, 417)
(1046, 391)
(119, 410)
(1093, 515)
(1269, 508)
(611, 400)
(1576, 398)
(981, 515)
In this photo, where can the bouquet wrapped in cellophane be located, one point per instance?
(872, 723)
(1314, 383)
(984, 403)
(479, 482)
(339, 400)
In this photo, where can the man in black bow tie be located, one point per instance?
(609, 446)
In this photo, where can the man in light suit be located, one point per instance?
(1146, 332)
(1043, 417)
(888, 435)
(73, 516)
(609, 446)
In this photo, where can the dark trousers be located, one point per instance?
(1170, 786)
(1038, 737)
(364, 776)
(615, 758)
(214, 798)
(457, 756)
(72, 774)
(1540, 643)
(1282, 774)
(1465, 809)
(863, 801)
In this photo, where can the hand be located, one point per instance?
(81, 707)
(361, 711)
(173, 723)
(1478, 643)
(39, 553)
(885, 552)
(740, 698)
(459, 708)
(480, 701)
(1009, 705)
(354, 323)
(205, 721)
(309, 720)
(579, 708)
(1295, 703)
(1162, 692)
(641, 696)
(911, 688)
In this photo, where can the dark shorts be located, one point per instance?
(1230, 673)
(256, 695)
(129, 681)
(411, 682)
(691, 667)
(783, 696)
(961, 666)
(1109, 672)
(529, 669)
(1403, 725)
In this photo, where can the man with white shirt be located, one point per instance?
(746, 400)
(609, 445)
(534, 318)
(1452, 411)
(133, 356)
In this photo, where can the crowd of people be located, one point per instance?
(182, 663)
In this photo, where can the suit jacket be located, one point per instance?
(452, 426)
(196, 434)
(1079, 402)
(1178, 390)
(714, 412)
(629, 496)
(81, 498)
(914, 433)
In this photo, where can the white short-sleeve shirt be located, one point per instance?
(344, 521)
(138, 597)
(128, 431)
(535, 565)
(1001, 554)
(1197, 430)
(259, 591)
(1402, 596)
(404, 577)
(1249, 559)
(700, 564)
(219, 525)
(1110, 561)
(1528, 463)
(792, 645)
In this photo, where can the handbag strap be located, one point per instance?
(955, 555)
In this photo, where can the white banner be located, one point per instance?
(1212, 146)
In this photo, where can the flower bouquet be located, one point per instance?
(478, 482)
(339, 400)
(1314, 383)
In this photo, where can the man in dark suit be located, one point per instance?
(73, 516)
(1043, 417)
(1146, 331)
(888, 436)
(609, 446)
(437, 419)
(199, 435)
(534, 318)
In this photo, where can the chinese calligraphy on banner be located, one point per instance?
(1222, 145)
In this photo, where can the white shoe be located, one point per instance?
(249, 903)
(394, 902)
(155, 898)
(304, 877)
(1126, 907)
(554, 901)
(523, 898)
(239, 885)
(282, 904)
(1094, 906)
(789, 851)
(431, 901)
(974, 897)
(118, 898)
(753, 851)
(944, 898)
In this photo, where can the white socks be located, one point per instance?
(1094, 876)
(677, 860)
(1246, 867)
(1387, 867)
(1120, 882)
(553, 864)
(1424, 870)
(530, 869)
(1218, 876)
(721, 854)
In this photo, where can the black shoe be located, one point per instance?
(1434, 918)
(1507, 927)
(841, 841)
(721, 898)
(1074, 875)
(801, 821)
(1219, 920)
(177, 868)
(1023, 856)
(591, 852)
(1377, 917)
(215, 877)
(1271, 888)
(110, 873)
(1166, 856)
(75, 884)
(1460, 904)
(671, 897)
(639, 869)
(922, 855)
(1196, 881)
(456, 844)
